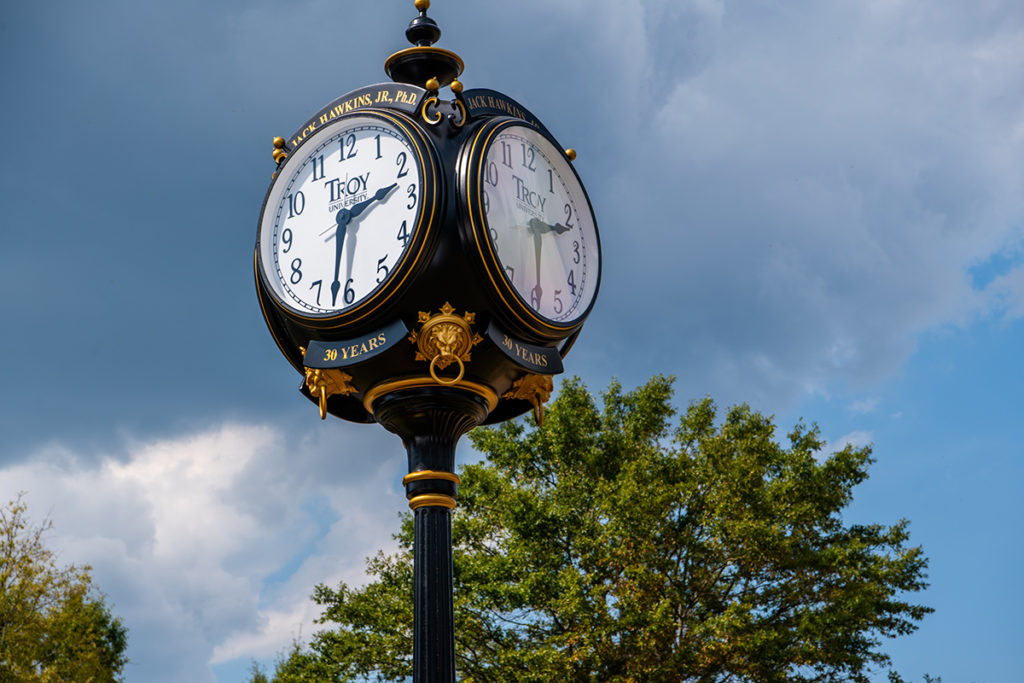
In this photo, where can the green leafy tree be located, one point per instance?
(54, 624)
(609, 546)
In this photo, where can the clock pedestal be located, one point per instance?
(430, 421)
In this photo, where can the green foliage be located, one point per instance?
(54, 624)
(609, 546)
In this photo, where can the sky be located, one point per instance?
(816, 208)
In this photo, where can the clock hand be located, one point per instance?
(538, 243)
(342, 219)
(377, 196)
(357, 209)
(537, 227)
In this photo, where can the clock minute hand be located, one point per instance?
(538, 244)
(342, 219)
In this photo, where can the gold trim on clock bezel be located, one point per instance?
(409, 264)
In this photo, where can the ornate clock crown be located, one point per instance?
(418, 64)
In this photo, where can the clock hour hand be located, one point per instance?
(539, 227)
(342, 218)
(377, 196)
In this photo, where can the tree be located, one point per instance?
(54, 623)
(608, 546)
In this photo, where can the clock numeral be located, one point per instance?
(506, 154)
(296, 204)
(380, 267)
(494, 237)
(286, 239)
(558, 302)
(400, 163)
(576, 252)
(319, 285)
(528, 165)
(492, 174)
(511, 274)
(378, 146)
(318, 167)
(487, 203)
(403, 234)
(412, 197)
(568, 217)
(571, 281)
(296, 276)
(350, 142)
(551, 182)
(350, 294)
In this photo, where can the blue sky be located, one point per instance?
(815, 208)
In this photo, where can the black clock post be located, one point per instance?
(426, 263)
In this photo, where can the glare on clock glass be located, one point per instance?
(540, 223)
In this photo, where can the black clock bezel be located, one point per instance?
(416, 255)
(477, 239)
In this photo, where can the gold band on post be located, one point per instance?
(430, 474)
(432, 500)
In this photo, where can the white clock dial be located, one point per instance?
(540, 224)
(341, 216)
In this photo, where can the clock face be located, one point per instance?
(341, 221)
(539, 225)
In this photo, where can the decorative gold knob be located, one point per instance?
(571, 153)
(456, 87)
(422, 5)
(432, 85)
(279, 152)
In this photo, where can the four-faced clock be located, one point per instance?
(348, 218)
(531, 225)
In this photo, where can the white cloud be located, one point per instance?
(818, 180)
(864, 406)
(209, 544)
(857, 439)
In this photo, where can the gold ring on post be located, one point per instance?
(449, 382)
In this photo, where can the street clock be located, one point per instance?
(426, 263)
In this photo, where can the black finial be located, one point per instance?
(422, 62)
(423, 31)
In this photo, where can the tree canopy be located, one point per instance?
(618, 544)
(54, 623)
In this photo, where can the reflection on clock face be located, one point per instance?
(540, 223)
(341, 216)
